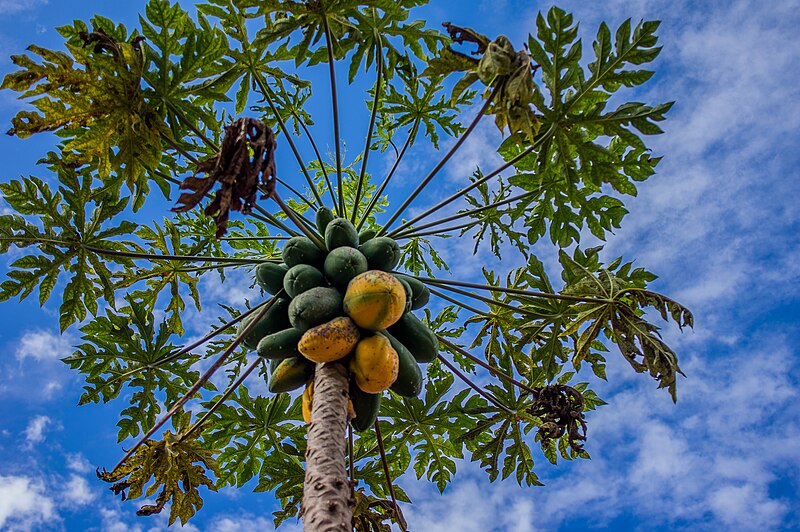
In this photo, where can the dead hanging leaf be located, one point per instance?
(371, 514)
(177, 467)
(499, 65)
(560, 408)
(245, 161)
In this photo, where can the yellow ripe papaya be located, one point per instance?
(308, 398)
(375, 300)
(375, 364)
(330, 341)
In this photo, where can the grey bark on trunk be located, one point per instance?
(327, 495)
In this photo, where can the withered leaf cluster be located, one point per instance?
(245, 161)
(560, 408)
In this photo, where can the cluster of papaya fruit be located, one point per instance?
(343, 303)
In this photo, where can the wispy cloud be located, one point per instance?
(10, 7)
(35, 431)
(668, 465)
(77, 491)
(24, 504)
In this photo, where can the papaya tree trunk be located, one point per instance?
(327, 495)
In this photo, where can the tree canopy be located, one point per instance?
(144, 115)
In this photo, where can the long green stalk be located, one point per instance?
(442, 162)
(238, 382)
(463, 214)
(375, 105)
(335, 106)
(266, 93)
(518, 291)
(500, 373)
(376, 196)
(178, 354)
(533, 147)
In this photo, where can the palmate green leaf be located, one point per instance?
(174, 467)
(124, 349)
(173, 275)
(248, 431)
(284, 18)
(582, 146)
(431, 426)
(498, 440)
(376, 28)
(350, 181)
(418, 255)
(622, 318)
(92, 97)
(498, 222)
(422, 101)
(59, 225)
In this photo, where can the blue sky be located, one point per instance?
(719, 223)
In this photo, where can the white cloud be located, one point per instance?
(730, 437)
(40, 345)
(745, 507)
(23, 504)
(34, 432)
(112, 521)
(9, 7)
(77, 491)
(36, 365)
(229, 523)
(78, 463)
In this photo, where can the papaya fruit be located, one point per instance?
(330, 341)
(382, 253)
(274, 363)
(409, 376)
(374, 364)
(290, 374)
(417, 337)
(375, 300)
(280, 345)
(322, 218)
(365, 235)
(307, 401)
(301, 278)
(274, 320)
(409, 293)
(340, 232)
(269, 276)
(315, 307)
(301, 250)
(366, 407)
(342, 264)
(421, 293)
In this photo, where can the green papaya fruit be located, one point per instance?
(315, 307)
(382, 253)
(340, 232)
(301, 278)
(342, 264)
(416, 336)
(274, 320)
(409, 376)
(280, 345)
(291, 373)
(322, 218)
(301, 250)
(421, 293)
(366, 406)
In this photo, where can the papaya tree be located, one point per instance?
(186, 149)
